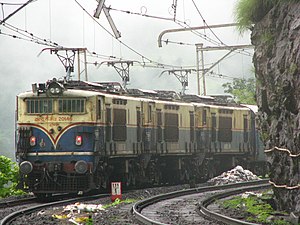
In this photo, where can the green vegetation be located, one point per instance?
(116, 218)
(267, 37)
(255, 207)
(8, 178)
(293, 68)
(243, 90)
(118, 201)
(249, 12)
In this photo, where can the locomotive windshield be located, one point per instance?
(38, 106)
(71, 105)
(50, 106)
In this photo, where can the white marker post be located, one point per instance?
(116, 191)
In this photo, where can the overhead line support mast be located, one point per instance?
(200, 61)
(200, 51)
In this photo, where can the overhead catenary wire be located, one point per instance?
(11, 3)
(183, 24)
(212, 74)
(145, 61)
(24, 39)
(167, 41)
(32, 38)
(50, 19)
(141, 14)
(28, 36)
(2, 8)
(14, 12)
(204, 21)
(123, 43)
(178, 22)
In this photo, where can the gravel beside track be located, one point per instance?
(115, 215)
(181, 210)
(176, 211)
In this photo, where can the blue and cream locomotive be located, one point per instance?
(76, 136)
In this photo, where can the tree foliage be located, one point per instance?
(249, 12)
(243, 90)
(9, 173)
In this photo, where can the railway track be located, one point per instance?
(203, 208)
(151, 210)
(38, 206)
(33, 199)
(16, 202)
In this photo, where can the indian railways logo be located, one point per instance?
(42, 143)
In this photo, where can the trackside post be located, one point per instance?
(116, 191)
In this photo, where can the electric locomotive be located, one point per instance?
(76, 136)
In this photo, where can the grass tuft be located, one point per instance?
(257, 208)
(249, 12)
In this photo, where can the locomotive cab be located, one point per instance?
(55, 138)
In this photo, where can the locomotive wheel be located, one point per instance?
(101, 181)
(208, 170)
(101, 178)
(184, 176)
(157, 178)
(130, 179)
(153, 172)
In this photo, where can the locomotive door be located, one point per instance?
(159, 132)
(192, 130)
(214, 131)
(246, 145)
(138, 131)
(99, 130)
(148, 131)
(202, 131)
(108, 130)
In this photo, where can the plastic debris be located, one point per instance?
(251, 193)
(60, 216)
(80, 207)
(236, 175)
(78, 213)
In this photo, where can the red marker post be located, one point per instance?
(116, 191)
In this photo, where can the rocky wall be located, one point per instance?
(277, 65)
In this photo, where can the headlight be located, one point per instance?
(55, 88)
(32, 141)
(78, 140)
(52, 90)
(81, 166)
(26, 167)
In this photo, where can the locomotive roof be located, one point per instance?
(115, 90)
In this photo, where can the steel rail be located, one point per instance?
(9, 218)
(33, 199)
(225, 219)
(22, 201)
(137, 208)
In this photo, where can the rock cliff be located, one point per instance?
(277, 63)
